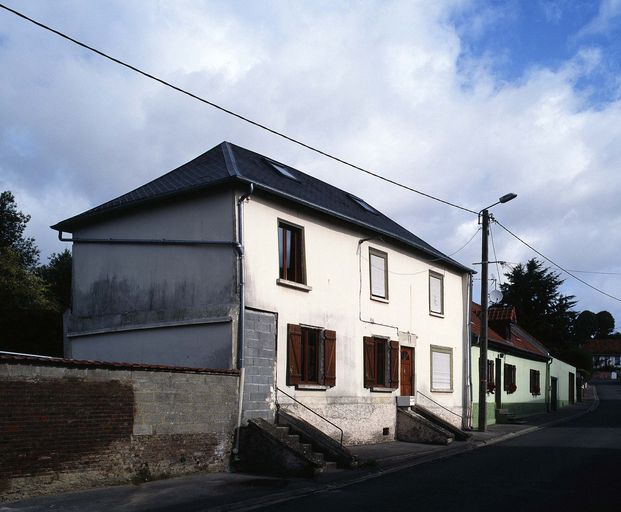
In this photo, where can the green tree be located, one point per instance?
(541, 309)
(585, 326)
(12, 226)
(31, 298)
(605, 324)
(57, 276)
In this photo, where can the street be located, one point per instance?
(572, 466)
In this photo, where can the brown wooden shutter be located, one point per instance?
(370, 372)
(505, 377)
(294, 354)
(329, 358)
(394, 364)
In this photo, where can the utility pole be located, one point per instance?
(483, 334)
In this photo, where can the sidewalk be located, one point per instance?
(236, 491)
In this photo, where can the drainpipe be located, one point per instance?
(548, 384)
(242, 312)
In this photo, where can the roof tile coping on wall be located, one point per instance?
(603, 346)
(59, 361)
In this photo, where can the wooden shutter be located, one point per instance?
(505, 380)
(394, 364)
(329, 358)
(370, 372)
(294, 354)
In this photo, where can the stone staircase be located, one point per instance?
(285, 449)
(458, 433)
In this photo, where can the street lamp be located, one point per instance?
(484, 220)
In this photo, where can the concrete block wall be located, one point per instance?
(260, 366)
(66, 425)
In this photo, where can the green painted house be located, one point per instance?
(523, 377)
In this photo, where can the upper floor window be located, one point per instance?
(436, 293)
(378, 270)
(291, 253)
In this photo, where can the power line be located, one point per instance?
(232, 113)
(568, 272)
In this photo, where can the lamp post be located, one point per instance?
(484, 220)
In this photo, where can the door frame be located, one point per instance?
(412, 366)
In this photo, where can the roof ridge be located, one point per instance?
(229, 159)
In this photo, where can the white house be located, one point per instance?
(235, 260)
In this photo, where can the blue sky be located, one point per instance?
(463, 99)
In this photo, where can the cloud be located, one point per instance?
(609, 11)
(386, 85)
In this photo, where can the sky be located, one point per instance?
(466, 100)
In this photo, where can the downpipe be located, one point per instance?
(241, 324)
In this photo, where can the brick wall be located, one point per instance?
(66, 425)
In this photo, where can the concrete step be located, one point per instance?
(308, 448)
(319, 457)
(294, 438)
(330, 466)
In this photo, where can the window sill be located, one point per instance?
(293, 284)
(380, 389)
(437, 315)
(312, 387)
(441, 390)
(379, 299)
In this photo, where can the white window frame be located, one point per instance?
(435, 349)
(375, 253)
(440, 278)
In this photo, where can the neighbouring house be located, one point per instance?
(523, 377)
(235, 260)
(606, 355)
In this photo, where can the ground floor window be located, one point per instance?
(441, 368)
(491, 381)
(311, 356)
(510, 384)
(535, 382)
(381, 363)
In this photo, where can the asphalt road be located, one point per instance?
(572, 466)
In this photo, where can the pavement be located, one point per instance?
(240, 492)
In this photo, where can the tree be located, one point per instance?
(585, 326)
(32, 298)
(57, 275)
(541, 309)
(12, 227)
(605, 324)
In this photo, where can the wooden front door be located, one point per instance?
(407, 371)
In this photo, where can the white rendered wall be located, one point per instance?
(336, 266)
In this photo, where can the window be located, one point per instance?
(381, 363)
(436, 293)
(535, 382)
(510, 385)
(363, 204)
(291, 253)
(378, 270)
(281, 170)
(491, 381)
(311, 356)
(441, 368)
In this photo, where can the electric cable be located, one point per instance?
(568, 272)
(232, 113)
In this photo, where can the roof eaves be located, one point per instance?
(89, 216)
(358, 222)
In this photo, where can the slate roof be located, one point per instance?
(519, 341)
(230, 164)
(603, 347)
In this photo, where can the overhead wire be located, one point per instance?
(232, 113)
(568, 272)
